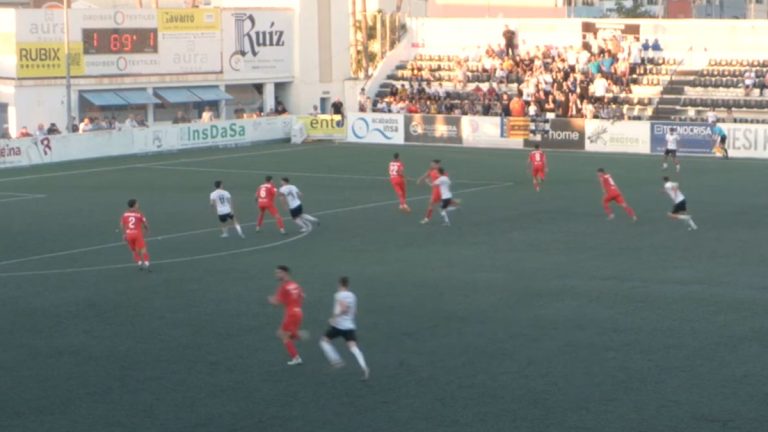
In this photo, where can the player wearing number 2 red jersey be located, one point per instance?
(133, 224)
(397, 178)
(611, 192)
(432, 174)
(289, 295)
(265, 199)
(537, 160)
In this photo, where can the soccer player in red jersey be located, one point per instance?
(537, 161)
(133, 224)
(265, 199)
(611, 192)
(397, 178)
(432, 174)
(289, 295)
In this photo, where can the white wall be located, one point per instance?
(33, 105)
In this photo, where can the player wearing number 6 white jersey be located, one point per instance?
(291, 196)
(221, 201)
(342, 324)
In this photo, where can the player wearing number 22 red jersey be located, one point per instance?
(289, 295)
(611, 192)
(538, 163)
(265, 200)
(133, 224)
(397, 178)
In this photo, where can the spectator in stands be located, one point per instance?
(517, 106)
(181, 118)
(23, 133)
(533, 111)
(550, 107)
(130, 122)
(85, 125)
(207, 116)
(6, 133)
(315, 111)
(280, 108)
(656, 48)
(600, 88)
(588, 109)
(749, 81)
(53, 129)
(729, 115)
(509, 41)
(606, 63)
(635, 55)
(337, 108)
(361, 101)
(762, 84)
(711, 116)
(40, 132)
(646, 46)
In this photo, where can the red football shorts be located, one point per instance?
(269, 208)
(397, 183)
(436, 197)
(292, 322)
(616, 197)
(538, 172)
(135, 241)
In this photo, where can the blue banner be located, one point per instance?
(695, 138)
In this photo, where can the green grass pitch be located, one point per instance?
(530, 313)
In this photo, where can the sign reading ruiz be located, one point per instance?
(257, 44)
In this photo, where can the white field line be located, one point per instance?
(173, 161)
(301, 174)
(197, 257)
(19, 196)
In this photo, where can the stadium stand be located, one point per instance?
(558, 81)
(731, 89)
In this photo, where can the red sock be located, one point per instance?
(136, 257)
(630, 212)
(261, 219)
(146, 256)
(280, 223)
(607, 208)
(429, 212)
(291, 348)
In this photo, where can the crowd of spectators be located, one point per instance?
(589, 81)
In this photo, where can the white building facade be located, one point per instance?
(239, 60)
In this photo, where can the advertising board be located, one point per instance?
(559, 133)
(433, 129)
(486, 132)
(617, 136)
(375, 128)
(257, 43)
(746, 140)
(695, 138)
(324, 126)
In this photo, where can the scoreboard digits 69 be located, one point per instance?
(120, 41)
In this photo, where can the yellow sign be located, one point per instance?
(46, 59)
(188, 20)
(324, 126)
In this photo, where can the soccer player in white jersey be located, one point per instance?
(221, 201)
(680, 209)
(673, 138)
(343, 325)
(291, 195)
(448, 203)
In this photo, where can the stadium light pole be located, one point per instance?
(67, 68)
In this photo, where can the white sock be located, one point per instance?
(444, 214)
(309, 217)
(691, 223)
(664, 165)
(684, 217)
(302, 223)
(225, 231)
(359, 356)
(239, 230)
(330, 352)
